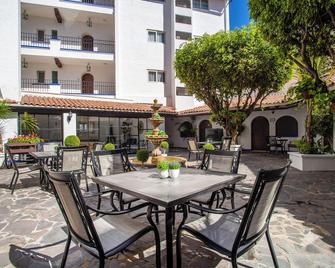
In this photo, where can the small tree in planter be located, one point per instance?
(163, 169)
(142, 155)
(72, 141)
(109, 147)
(174, 170)
(165, 147)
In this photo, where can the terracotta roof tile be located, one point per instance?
(90, 104)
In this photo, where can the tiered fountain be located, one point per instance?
(157, 135)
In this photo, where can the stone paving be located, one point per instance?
(302, 227)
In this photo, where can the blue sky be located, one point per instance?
(239, 14)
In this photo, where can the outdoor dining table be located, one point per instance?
(168, 193)
(42, 157)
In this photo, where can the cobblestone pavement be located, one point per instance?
(302, 227)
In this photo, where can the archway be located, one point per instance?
(87, 43)
(287, 126)
(259, 133)
(204, 124)
(87, 84)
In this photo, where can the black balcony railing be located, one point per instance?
(35, 40)
(107, 3)
(68, 87)
(82, 44)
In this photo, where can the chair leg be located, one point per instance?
(66, 251)
(101, 262)
(234, 261)
(232, 196)
(158, 247)
(156, 214)
(15, 182)
(178, 248)
(273, 254)
(189, 156)
(12, 180)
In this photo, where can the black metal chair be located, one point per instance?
(73, 159)
(98, 146)
(106, 235)
(193, 148)
(233, 235)
(49, 146)
(273, 145)
(221, 161)
(20, 169)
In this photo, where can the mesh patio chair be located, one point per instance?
(20, 169)
(98, 146)
(273, 145)
(221, 161)
(233, 235)
(193, 148)
(104, 236)
(49, 146)
(73, 159)
(226, 141)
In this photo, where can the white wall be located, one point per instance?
(69, 127)
(10, 127)
(10, 63)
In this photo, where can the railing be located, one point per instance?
(35, 40)
(69, 87)
(76, 43)
(107, 3)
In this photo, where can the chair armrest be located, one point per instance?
(113, 212)
(98, 193)
(217, 211)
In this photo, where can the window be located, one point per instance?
(156, 76)
(186, 130)
(183, 3)
(40, 77)
(202, 4)
(54, 77)
(287, 126)
(183, 19)
(54, 34)
(183, 35)
(182, 91)
(40, 36)
(155, 36)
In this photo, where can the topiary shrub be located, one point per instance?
(72, 141)
(142, 155)
(109, 147)
(209, 146)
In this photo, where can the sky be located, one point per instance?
(239, 14)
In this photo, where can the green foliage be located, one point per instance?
(142, 155)
(109, 147)
(72, 141)
(28, 124)
(163, 165)
(209, 146)
(149, 133)
(161, 133)
(234, 69)
(323, 125)
(33, 138)
(156, 116)
(303, 146)
(174, 165)
(164, 145)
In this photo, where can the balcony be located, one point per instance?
(68, 87)
(105, 3)
(86, 44)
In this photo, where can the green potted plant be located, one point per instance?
(109, 147)
(142, 155)
(72, 141)
(174, 170)
(165, 146)
(163, 169)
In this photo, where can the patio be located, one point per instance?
(302, 226)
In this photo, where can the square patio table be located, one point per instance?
(167, 193)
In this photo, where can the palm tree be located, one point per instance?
(28, 124)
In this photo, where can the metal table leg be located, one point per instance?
(168, 236)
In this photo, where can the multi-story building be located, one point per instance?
(91, 67)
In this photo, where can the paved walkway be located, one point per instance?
(302, 227)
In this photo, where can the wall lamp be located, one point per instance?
(69, 117)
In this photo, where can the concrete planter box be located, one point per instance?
(312, 162)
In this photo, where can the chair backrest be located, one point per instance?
(272, 140)
(72, 158)
(222, 161)
(235, 147)
(98, 146)
(49, 146)
(226, 141)
(110, 162)
(19, 149)
(192, 145)
(261, 204)
(74, 210)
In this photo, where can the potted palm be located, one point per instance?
(174, 170)
(163, 169)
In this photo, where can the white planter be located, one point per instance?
(2, 159)
(174, 173)
(164, 155)
(312, 162)
(163, 174)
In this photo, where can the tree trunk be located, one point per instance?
(308, 124)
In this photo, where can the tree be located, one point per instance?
(28, 124)
(305, 32)
(232, 72)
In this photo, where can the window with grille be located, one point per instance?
(182, 91)
(183, 19)
(202, 4)
(183, 35)
(156, 76)
(183, 3)
(156, 36)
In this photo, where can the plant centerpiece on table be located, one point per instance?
(142, 155)
(156, 136)
(174, 169)
(209, 146)
(109, 147)
(163, 169)
(165, 146)
(72, 141)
